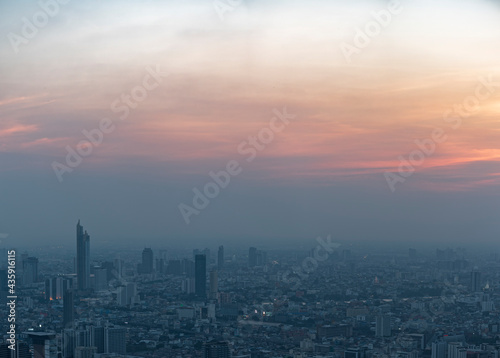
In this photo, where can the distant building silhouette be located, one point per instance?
(82, 257)
(214, 284)
(200, 275)
(30, 270)
(256, 257)
(115, 340)
(475, 281)
(68, 308)
(44, 344)
(56, 287)
(127, 295)
(146, 266)
(383, 326)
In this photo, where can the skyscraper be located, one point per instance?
(44, 344)
(475, 281)
(30, 270)
(115, 340)
(220, 257)
(68, 308)
(82, 257)
(214, 284)
(216, 349)
(383, 326)
(146, 265)
(200, 276)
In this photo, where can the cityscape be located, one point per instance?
(329, 301)
(250, 179)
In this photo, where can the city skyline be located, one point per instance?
(367, 120)
(260, 179)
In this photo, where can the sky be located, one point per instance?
(364, 120)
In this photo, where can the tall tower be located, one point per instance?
(214, 284)
(68, 309)
(475, 281)
(220, 257)
(147, 261)
(383, 326)
(82, 257)
(200, 276)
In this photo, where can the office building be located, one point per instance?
(200, 275)
(82, 257)
(115, 340)
(383, 326)
(146, 266)
(44, 344)
(439, 349)
(214, 284)
(56, 287)
(30, 270)
(475, 281)
(68, 308)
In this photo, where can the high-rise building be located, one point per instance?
(220, 257)
(475, 281)
(97, 338)
(383, 326)
(216, 349)
(127, 295)
(68, 308)
(68, 342)
(456, 350)
(439, 349)
(44, 344)
(115, 340)
(214, 284)
(82, 257)
(200, 276)
(56, 287)
(146, 266)
(256, 257)
(30, 270)
(252, 257)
